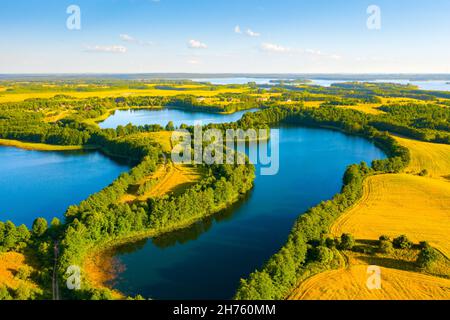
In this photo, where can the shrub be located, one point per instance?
(40, 226)
(426, 257)
(424, 244)
(347, 242)
(402, 242)
(385, 238)
(4, 293)
(322, 254)
(331, 243)
(385, 247)
(23, 273)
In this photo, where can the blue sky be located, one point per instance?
(279, 36)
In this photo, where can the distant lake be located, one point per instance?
(163, 116)
(44, 184)
(434, 85)
(227, 81)
(207, 260)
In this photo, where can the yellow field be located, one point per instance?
(433, 157)
(152, 91)
(370, 108)
(350, 284)
(10, 263)
(37, 146)
(401, 204)
(400, 100)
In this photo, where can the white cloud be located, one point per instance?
(311, 53)
(195, 44)
(248, 32)
(128, 38)
(270, 47)
(107, 49)
(252, 33)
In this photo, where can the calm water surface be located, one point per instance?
(163, 116)
(44, 184)
(207, 260)
(434, 85)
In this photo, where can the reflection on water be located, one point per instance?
(194, 231)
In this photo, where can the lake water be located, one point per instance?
(44, 184)
(433, 85)
(163, 116)
(207, 260)
(227, 81)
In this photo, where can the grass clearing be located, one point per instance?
(370, 108)
(177, 179)
(433, 157)
(163, 138)
(169, 178)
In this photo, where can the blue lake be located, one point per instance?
(163, 116)
(44, 184)
(433, 85)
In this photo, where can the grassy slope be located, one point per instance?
(433, 157)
